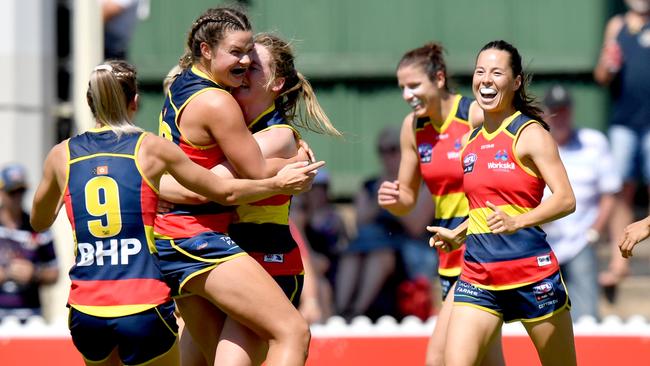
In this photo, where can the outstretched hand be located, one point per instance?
(443, 238)
(298, 177)
(632, 235)
(500, 222)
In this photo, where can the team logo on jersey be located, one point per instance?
(274, 258)
(425, 151)
(468, 163)
(501, 163)
(543, 291)
(101, 170)
(457, 144)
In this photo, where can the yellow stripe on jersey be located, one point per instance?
(450, 117)
(503, 287)
(478, 217)
(151, 241)
(264, 214)
(113, 311)
(449, 272)
(451, 205)
(86, 157)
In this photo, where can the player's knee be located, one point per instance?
(297, 329)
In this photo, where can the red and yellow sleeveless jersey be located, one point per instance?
(262, 228)
(439, 151)
(185, 221)
(111, 206)
(492, 172)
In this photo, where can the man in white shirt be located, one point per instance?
(595, 181)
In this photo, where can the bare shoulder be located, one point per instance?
(475, 114)
(614, 26)
(407, 122)
(58, 155)
(214, 103)
(534, 138)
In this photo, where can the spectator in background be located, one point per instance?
(371, 259)
(326, 234)
(27, 258)
(624, 66)
(590, 167)
(120, 18)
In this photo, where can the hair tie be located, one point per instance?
(104, 67)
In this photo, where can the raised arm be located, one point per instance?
(274, 143)
(609, 60)
(159, 155)
(48, 196)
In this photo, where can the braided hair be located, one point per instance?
(211, 28)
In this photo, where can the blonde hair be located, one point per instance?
(170, 77)
(297, 101)
(112, 86)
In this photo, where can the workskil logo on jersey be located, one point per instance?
(501, 162)
(468, 163)
(455, 154)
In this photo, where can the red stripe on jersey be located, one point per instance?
(451, 261)
(67, 200)
(207, 158)
(277, 200)
(182, 226)
(510, 273)
(149, 203)
(287, 264)
(497, 177)
(118, 292)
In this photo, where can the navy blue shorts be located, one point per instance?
(139, 338)
(533, 302)
(446, 282)
(183, 259)
(292, 287)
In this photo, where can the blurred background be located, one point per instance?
(347, 49)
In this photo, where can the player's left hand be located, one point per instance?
(500, 222)
(443, 238)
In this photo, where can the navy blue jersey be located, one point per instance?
(111, 206)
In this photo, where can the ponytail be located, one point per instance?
(112, 86)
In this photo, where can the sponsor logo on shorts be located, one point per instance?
(548, 303)
(227, 240)
(544, 260)
(468, 289)
(468, 163)
(274, 258)
(543, 291)
(425, 151)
